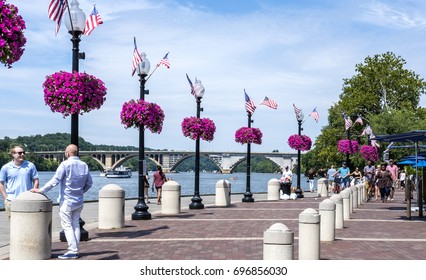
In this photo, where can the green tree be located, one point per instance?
(384, 94)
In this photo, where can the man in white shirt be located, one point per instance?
(74, 179)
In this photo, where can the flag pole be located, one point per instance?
(69, 14)
(152, 72)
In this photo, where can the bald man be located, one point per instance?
(74, 179)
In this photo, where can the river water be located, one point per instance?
(258, 183)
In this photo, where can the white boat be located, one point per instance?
(121, 172)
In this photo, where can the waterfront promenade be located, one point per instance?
(375, 231)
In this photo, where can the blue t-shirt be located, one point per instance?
(18, 179)
(343, 171)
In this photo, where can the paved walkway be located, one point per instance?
(375, 231)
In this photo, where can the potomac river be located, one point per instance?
(258, 183)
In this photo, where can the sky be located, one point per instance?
(289, 51)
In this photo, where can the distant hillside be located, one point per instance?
(55, 142)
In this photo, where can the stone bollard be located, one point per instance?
(111, 207)
(322, 189)
(360, 194)
(170, 198)
(223, 193)
(351, 200)
(327, 211)
(309, 235)
(274, 189)
(31, 227)
(278, 243)
(338, 200)
(355, 197)
(346, 204)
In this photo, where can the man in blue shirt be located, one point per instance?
(74, 177)
(16, 177)
(344, 174)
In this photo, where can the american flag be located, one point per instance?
(314, 114)
(359, 120)
(269, 102)
(164, 61)
(93, 21)
(348, 122)
(191, 85)
(250, 106)
(136, 59)
(297, 111)
(55, 11)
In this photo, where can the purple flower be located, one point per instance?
(369, 153)
(194, 127)
(248, 135)
(73, 93)
(300, 143)
(348, 146)
(12, 39)
(143, 114)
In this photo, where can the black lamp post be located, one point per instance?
(196, 201)
(299, 192)
(141, 209)
(75, 22)
(248, 196)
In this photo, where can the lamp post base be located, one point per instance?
(299, 193)
(248, 197)
(141, 212)
(196, 203)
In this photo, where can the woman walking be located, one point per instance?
(158, 180)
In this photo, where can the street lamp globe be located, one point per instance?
(198, 89)
(144, 66)
(75, 19)
(300, 117)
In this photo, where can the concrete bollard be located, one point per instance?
(31, 227)
(327, 211)
(346, 204)
(274, 189)
(355, 197)
(351, 200)
(278, 243)
(170, 198)
(111, 207)
(322, 189)
(360, 194)
(338, 200)
(223, 193)
(309, 235)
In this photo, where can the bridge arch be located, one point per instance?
(186, 157)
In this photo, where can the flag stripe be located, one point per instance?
(164, 61)
(191, 85)
(314, 114)
(297, 111)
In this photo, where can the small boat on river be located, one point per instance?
(121, 172)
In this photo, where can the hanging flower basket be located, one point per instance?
(73, 93)
(348, 146)
(369, 153)
(142, 114)
(246, 135)
(12, 39)
(194, 127)
(300, 142)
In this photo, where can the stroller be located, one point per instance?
(337, 182)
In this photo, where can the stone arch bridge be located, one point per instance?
(169, 160)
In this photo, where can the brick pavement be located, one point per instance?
(376, 231)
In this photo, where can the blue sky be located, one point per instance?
(290, 51)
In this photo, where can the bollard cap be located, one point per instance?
(327, 205)
(337, 198)
(274, 181)
(309, 216)
(278, 234)
(223, 184)
(111, 191)
(32, 203)
(171, 186)
(346, 193)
